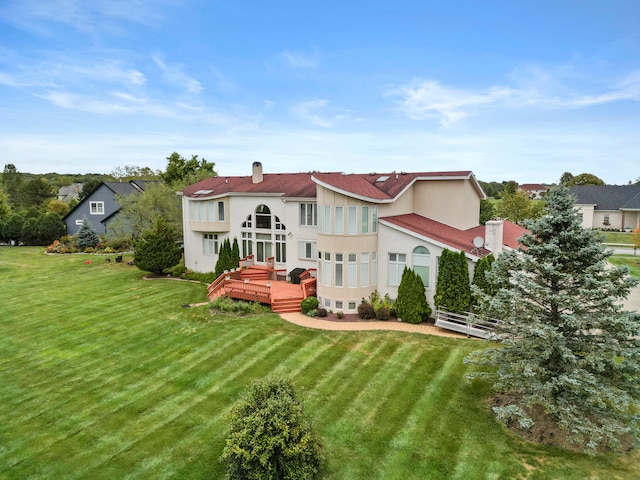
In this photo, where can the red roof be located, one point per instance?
(382, 186)
(529, 187)
(452, 236)
(284, 184)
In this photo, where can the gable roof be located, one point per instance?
(608, 197)
(385, 187)
(529, 187)
(452, 236)
(118, 188)
(282, 184)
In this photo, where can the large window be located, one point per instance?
(247, 244)
(307, 250)
(210, 244)
(308, 215)
(96, 208)
(327, 219)
(374, 268)
(364, 269)
(353, 220)
(281, 248)
(339, 265)
(395, 267)
(374, 221)
(221, 211)
(352, 271)
(263, 247)
(211, 211)
(421, 260)
(327, 269)
(263, 217)
(339, 226)
(365, 220)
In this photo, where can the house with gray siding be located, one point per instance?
(101, 206)
(608, 207)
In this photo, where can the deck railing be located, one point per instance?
(468, 323)
(253, 292)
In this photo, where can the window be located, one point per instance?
(211, 211)
(320, 223)
(307, 250)
(281, 248)
(327, 269)
(263, 247)
(374, 268)
(96, 208)
(339, 226)
(193, 211)
(203, 211)
(365, 220)
(364, 269)
(210, 243)
(308, 215)
(339, 304)
(374, 221)
(263, 217)
(79, 222)
(352, 305)
(248, 222)
(327, 219)
(605, 220)
(353, 221)
(397, 262)
(221, 211)
(247, 244)
(421, 260)
(319, 271)
(352, 271)
(339, 270)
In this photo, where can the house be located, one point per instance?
(611, 207)
(358, 231)
(70, 192)
(534, 190)
(101, 205)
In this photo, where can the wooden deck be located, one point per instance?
(264, 284)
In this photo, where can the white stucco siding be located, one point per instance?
(453, 202)
(607, 219)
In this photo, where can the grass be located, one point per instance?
(106, 375)
(618, 237)
(631, 261)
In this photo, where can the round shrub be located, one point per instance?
(340, 315)
(312, 313)
(383, 313)
(322, 312)
(307, 304)
(366, 311)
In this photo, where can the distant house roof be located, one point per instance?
(608, 197)
(451, 236)
(531, 187)
(385, 187)
(68, 193)
(282, 184)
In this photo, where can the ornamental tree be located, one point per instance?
(87, 235)
(411, 304)
(158, 249)
(479, 276)
(269, 437)
(567, 350)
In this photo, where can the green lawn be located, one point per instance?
(106, 375)
(618, 237)
(631, 261)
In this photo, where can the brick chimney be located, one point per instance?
(493, 236)
(256, 174)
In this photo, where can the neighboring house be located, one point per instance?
(608, 206)
(358, 230)
(101, 206)
(534, 190)
(68, 193)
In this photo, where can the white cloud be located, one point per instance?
(307, 111)
(175, 76)
(300, 60)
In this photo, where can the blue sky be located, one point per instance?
(512, 90)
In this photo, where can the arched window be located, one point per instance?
(263, 217)
(421, 261)
(258, 231)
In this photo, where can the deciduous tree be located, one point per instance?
(181, 172)
(566, 346)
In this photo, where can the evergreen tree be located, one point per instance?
(87, 236)
(411, 304)
(480, 281)
(158, 249)
(235, 253)
(453, 292)
(567, 348)
(269, 436)
(224, 258)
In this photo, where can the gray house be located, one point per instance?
(101, 206)
(610, 207)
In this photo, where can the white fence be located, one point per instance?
(469, 324)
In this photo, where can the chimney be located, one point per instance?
(256, 176)
(493, 236)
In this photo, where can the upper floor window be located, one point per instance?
(308, 215)
(365, 219)
(263, 217)
(221, 211)
(96, 208)
(339, 220)
(211, 211)
(352, 220)
(374, 221)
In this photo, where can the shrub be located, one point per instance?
(412, 303)
(269, 437)
(308, 303)
(312, 313)
(383, 313)
(322, 312)
(87, 236)
(226, 304)
(157, 249)
(366, 311)
(340, 314)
